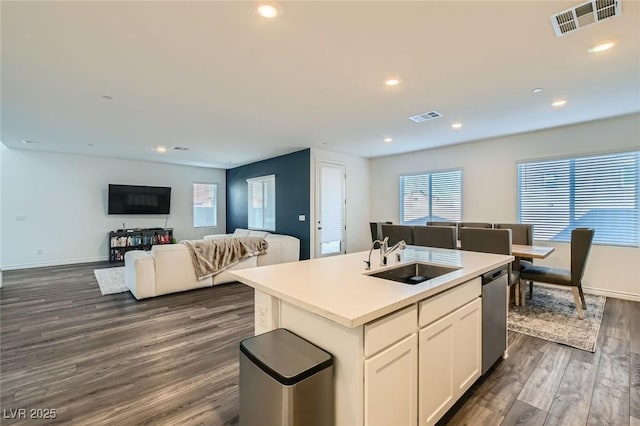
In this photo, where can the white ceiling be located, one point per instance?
(236, 88)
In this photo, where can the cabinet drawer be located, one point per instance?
(442, 304)
(385, 331)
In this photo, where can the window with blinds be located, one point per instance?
(600, 192)
(435, 196)
(204, 204)
(262, 203)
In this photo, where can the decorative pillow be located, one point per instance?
(259, 234)
(239, 232)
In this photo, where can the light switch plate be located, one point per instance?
(301, 218)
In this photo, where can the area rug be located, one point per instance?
(111, 280)
(551, 315)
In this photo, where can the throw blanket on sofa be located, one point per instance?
(210, 257)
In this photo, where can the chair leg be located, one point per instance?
(522, 287)
(576, 296)
(584, 304)
(530, 289)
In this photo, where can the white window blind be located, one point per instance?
(599, 192)
(262, 203)
(204, 204)
(435, 196)
(332, 209)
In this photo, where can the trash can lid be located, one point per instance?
(286, 357)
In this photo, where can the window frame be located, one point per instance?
(263, 179)
(214, 207)
(430, 174)
(571, 196)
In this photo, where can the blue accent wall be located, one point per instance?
(293, 195)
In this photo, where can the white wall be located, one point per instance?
(357, 193)
(490, 187)
(3, 148)
(57, 203)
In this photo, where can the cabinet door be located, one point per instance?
(467, 346)
(436, 361)
(390, 385)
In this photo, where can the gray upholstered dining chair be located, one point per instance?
(475, 225)
(581, 239)
(435, 236)
(397, 233)
(376, 230)
(521, 233)
(455, 225)
(430, 223)
(487, 240)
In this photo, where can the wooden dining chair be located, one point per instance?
(397, 233)
(486, 240)
(435, 236)
(581, 239)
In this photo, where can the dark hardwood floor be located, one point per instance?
(173, 360)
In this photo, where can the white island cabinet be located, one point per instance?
(403, 354)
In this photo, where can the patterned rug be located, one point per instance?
(551, 315)
(111, 280)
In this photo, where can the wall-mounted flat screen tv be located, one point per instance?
(135, 199)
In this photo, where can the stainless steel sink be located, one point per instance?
(413, 273)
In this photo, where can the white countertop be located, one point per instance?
(337, 287)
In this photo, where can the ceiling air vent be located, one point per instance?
(180, 148)
(425, 116)
(584, 14)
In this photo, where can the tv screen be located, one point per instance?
(134, 199)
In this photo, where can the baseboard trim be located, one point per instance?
(53, 263)
(613, 293)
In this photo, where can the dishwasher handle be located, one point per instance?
(493, 275)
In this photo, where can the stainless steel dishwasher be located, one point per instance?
(494, 316)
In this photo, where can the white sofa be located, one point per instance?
(168, 268)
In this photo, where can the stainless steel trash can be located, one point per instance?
(285, 381)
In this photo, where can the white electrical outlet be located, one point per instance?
(262, 314)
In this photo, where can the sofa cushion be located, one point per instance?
(239, 232)
(282, 249)
(258, 234)
(174, 269)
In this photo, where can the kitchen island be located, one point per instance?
(403, 354)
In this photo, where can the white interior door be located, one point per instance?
(331, 209)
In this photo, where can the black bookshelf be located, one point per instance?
(123, 240)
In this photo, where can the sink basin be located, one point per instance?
(413, 273)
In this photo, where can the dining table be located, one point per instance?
(520, 251)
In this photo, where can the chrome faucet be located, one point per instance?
(368, 262)
(385, 250)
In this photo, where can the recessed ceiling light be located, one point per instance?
(558, 103)
(161, 149)
(601, 47)
(456, 126)
(392, 82)
(106, 97)
(388, 140)
(536, 90)
(27, 141)
(267, 11)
